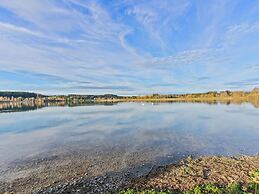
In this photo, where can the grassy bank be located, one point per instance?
(217, 175)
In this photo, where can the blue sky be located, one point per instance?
(128, 47)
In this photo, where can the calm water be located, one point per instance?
(161, 131)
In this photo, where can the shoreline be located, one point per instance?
(210, 96)
(180, 177)
(189, 173)
(176, 100)
(16, 107)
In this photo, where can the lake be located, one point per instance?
(114, 137)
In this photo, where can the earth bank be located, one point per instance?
(180, 177)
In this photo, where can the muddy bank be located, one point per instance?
(177, 177)
(192, 172)
(182, 176)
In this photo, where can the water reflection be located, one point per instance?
(19, 106)
(16, 107)
(130, 132)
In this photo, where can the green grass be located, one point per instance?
(234, 188)
(146, 191)
(254, 181)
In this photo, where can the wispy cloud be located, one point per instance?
(11, 27)
(247, 82)
(187, 57)
(237, 31)
(158, 19)
(242, 29)
(124, 47)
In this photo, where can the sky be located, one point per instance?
(128, 47)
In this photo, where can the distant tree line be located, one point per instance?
(76, 97)
(19, 94)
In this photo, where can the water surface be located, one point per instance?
(135, 132)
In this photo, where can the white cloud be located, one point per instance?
(237, 31)
(158, 18)
(187, 57)
(243, 28)
(11, 27)
(85, 42)
(98, 44)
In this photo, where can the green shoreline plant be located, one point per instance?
(254, 175)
